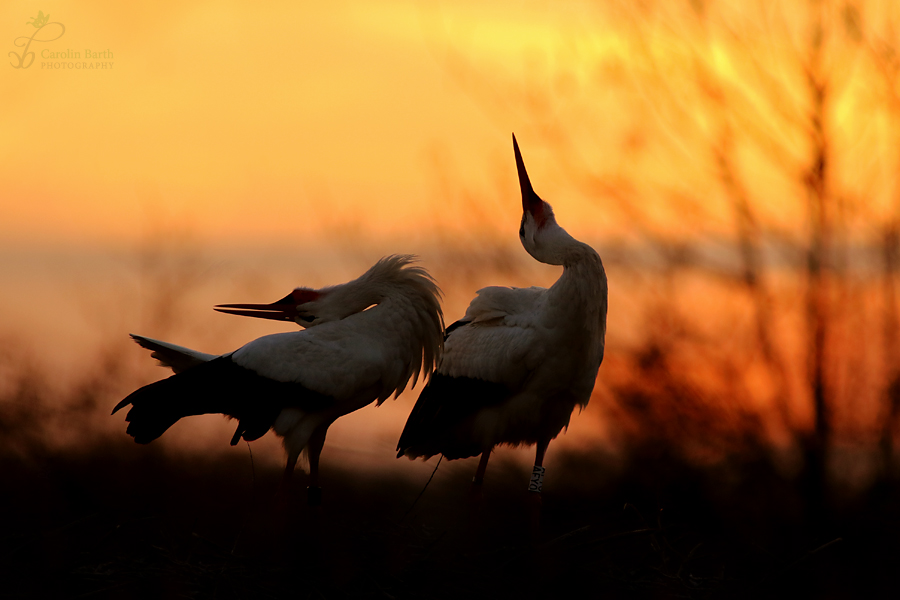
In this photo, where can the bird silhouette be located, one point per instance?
(521, 359)
(362, 342)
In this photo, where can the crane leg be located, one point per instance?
(281, 497)
(288, 471)
(476, 493)
(313, 491)
(537, 474)
(482, 467)
(535, 486)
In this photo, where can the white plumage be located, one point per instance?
(364, 341)
(521, 359)
(177, 358)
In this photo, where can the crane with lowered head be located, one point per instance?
(362, 342)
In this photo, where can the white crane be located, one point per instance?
(363, 341)
(521, 359)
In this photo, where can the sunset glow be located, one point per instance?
(262, 125)
(241, 120)
(736, 165)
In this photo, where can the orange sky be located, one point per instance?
(258, 121)
(269, 123)
(272, 124)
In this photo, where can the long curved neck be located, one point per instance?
(583, 275)
(583, 278)
(353, 297)
(553, 245)
(582, 293)
(407, 302)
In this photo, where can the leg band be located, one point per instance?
(537, 479)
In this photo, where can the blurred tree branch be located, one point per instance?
(752, 130)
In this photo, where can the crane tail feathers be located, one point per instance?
(156, 407)
(216, 387)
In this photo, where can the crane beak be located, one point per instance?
(531, 202)
(283, 310)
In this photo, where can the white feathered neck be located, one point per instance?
(349, 351)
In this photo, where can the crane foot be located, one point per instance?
(314, 495)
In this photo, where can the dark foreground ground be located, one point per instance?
(123, 521)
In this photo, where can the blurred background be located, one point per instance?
(735, 164)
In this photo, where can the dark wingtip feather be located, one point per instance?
(121, 405)
(141, 341)
(141, 437)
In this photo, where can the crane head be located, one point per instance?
(531, 202)
(536, 214)
(299, 306)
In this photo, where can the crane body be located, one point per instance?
(521, 359)
(363, 342)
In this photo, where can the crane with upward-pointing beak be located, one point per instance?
(521, 359)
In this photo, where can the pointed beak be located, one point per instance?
(531, 202)
(283, 310)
